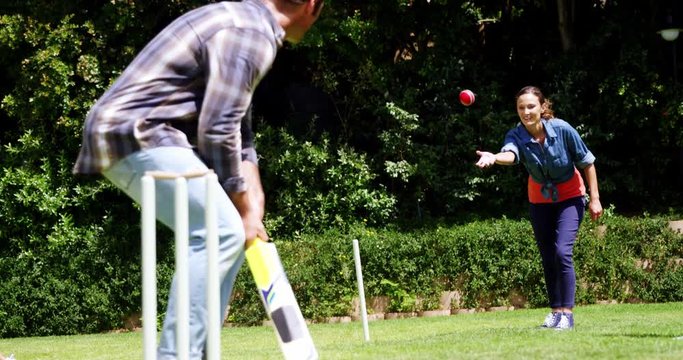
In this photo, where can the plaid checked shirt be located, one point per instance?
(191, 87)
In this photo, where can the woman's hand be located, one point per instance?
(595, 208)
(486, 159)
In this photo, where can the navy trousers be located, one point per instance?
(555, 227)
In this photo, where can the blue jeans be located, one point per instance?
(555, 228)
(126, 175)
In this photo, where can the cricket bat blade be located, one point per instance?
(279, 301)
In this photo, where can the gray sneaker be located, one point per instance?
(551, 320)
(566, 322)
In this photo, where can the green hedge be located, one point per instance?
(488, 262)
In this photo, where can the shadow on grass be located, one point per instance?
(646, 335)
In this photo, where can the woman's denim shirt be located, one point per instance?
(553, 161)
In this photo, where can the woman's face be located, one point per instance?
(529, 109)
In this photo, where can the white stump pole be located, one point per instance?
(213, 286)
(361, 290)
(149, 272)
(182, 269)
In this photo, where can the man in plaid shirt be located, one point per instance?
(179, 107)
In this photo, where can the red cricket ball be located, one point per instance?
(467, 97)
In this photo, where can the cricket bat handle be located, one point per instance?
(279, 301)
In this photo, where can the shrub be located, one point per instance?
(317, 186)
(488, 262)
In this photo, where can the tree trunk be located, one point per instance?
(565, 16)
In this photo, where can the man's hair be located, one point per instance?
(318, 4)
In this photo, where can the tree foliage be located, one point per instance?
(359, 122)
(613, 82)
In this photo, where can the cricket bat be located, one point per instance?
(278, 299)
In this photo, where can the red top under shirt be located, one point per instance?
(569, 189)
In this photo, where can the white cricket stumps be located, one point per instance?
(149, 285)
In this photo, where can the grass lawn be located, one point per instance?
(627, 331)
